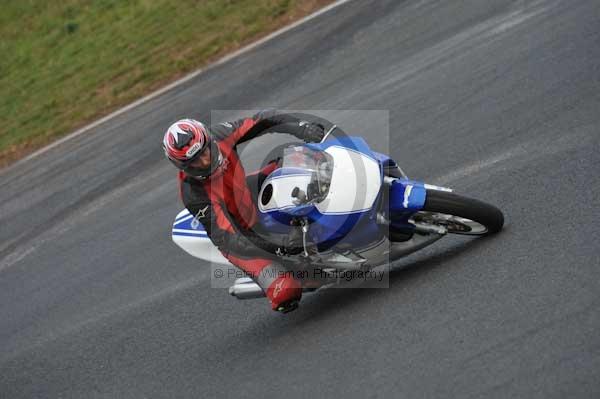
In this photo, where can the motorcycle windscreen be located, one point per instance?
(354, 182)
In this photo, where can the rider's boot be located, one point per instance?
(284, 293)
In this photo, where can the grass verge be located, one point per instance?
(67, 63)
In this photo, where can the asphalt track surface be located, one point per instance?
(498, 99)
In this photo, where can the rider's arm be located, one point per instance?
(224, 233)
(222, 230)
(305, 127)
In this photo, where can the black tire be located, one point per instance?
(456, 205)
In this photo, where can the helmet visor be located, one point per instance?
(216, 159)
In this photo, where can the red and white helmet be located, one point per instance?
(184, 141)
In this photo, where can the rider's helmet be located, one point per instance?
(185, 141)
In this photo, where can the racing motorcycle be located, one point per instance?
(356, 208)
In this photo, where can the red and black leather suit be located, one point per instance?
(224, 204)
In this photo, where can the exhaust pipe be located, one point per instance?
(246, 290)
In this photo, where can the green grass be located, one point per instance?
(64, 63)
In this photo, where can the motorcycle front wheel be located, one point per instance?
(459, 215)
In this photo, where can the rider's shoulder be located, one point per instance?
(193, 190)
(193, 183)
(222, 130)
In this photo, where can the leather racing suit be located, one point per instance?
(224, 204)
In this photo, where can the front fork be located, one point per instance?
(405, 198)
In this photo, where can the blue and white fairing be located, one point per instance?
(190, 235)
(346, 182)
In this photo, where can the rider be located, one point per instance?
(214, 189)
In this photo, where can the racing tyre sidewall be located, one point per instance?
(457, 205)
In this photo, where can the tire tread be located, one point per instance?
(469, 208)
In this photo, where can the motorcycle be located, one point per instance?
(356, 208)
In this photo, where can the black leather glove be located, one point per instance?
(288, 251)
(293, 244)
(293, 250)
(313, 132)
